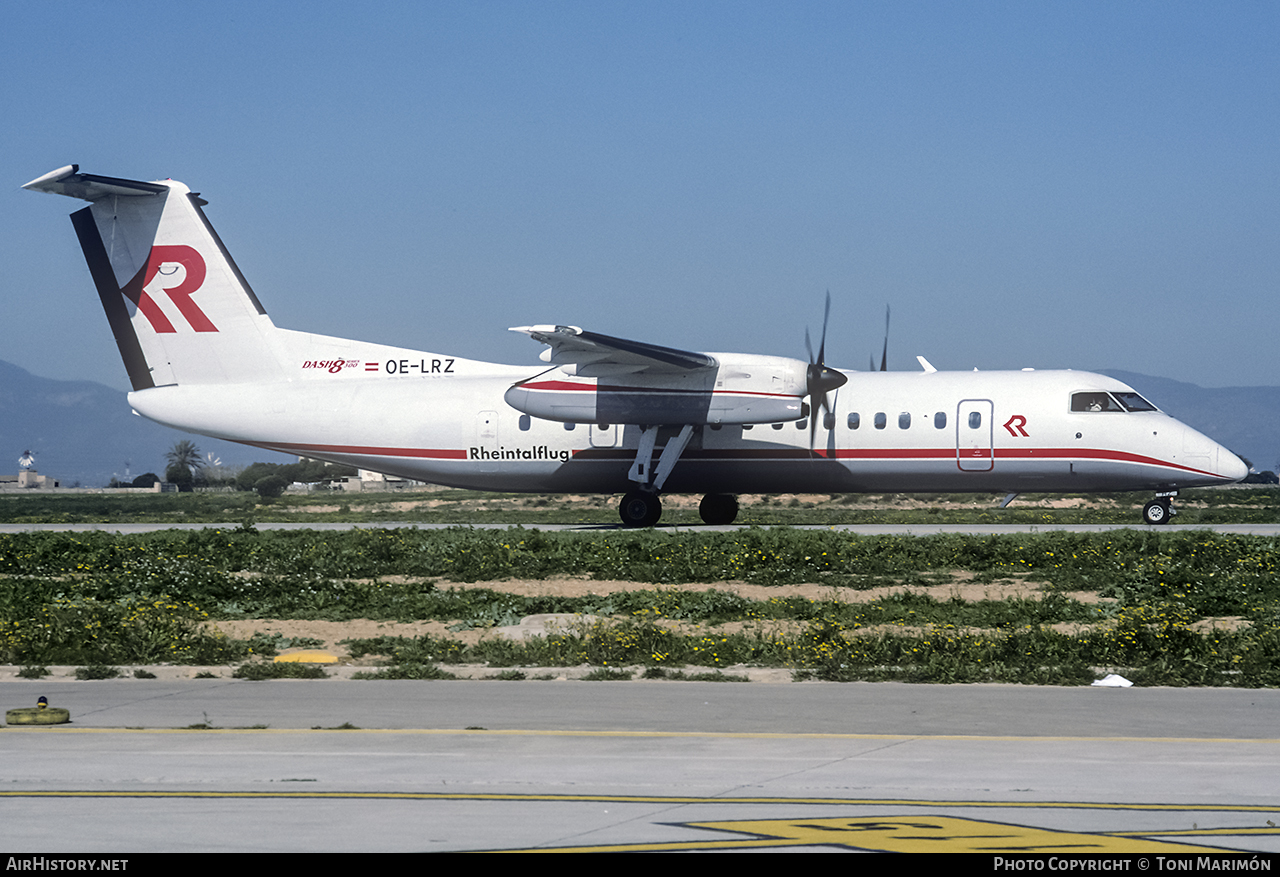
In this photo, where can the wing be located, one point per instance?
(596, 355)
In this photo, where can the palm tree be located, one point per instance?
(184, 462)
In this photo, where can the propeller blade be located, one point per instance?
(820, 380)
(826, 315)
(831, 433)
(884, 356)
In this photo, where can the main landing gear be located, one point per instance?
(640, 508)
(643, 508)
(1160, 509)
(718, 508)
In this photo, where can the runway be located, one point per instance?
(545, 765)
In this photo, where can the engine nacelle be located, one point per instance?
(758, 389)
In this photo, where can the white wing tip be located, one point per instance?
(546, 329)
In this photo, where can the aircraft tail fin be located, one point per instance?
(181, 311)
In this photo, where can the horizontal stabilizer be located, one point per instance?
(89, 187)
(181, 311)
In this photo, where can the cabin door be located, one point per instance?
(975, 448)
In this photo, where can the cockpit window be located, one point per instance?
(1094, 402)
(1134, 402)
(1099, 401)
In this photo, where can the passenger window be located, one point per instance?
(828, 421)
(800, 424)
(854, 420)
(940, 420)
(975, 419)
(569, 427)
(904, 420)
(524, 422)
(881, 420)
(776, 425)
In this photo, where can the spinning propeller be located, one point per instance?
(884, 354)
(820, 380)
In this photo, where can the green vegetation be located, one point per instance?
(607, 674)
(406, 671)
(1259, 504)
(184, 465)
(715, 676)
(258, 671)
(271, 479)
(1133, 600)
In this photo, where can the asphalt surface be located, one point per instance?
(1156, 775)
(450, 765)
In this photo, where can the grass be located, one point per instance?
(97, 599)
(607, 674)
(261, 671)
(445, 506)
(406, 671)
(680, 675)
(97, 671)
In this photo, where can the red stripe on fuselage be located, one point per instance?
(781, 453)
(365, 450)
(1007, 454)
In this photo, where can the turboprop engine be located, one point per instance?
(611, 380)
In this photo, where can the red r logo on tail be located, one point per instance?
(180, 294)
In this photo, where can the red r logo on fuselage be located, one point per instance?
(1015, 425)
(180, 294)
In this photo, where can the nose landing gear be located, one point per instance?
(1160, 509)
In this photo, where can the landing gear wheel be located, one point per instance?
(718, 508)
(640, 509)
(1157, 511)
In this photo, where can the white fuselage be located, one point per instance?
(203, 356)
(445, 420)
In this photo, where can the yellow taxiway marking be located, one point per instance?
(651, 799)
(722, 735)
(913, 834)
(925, 832)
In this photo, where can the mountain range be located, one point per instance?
(84, 433)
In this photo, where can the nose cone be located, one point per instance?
(1231, 466)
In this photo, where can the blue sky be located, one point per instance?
(1072, 185)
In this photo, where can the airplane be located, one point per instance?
(203, 356)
